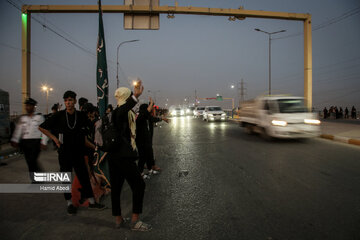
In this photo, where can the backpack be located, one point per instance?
(106, 135)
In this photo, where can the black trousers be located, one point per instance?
(125, 169)
(72, 159)
(31, 149)
(146, 155)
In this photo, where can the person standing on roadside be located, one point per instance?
(325, 112)
(28, 137)
(144, 135)
(346, 113)
(353, 112)
(82, 102)
(71, 140)
(122, 164)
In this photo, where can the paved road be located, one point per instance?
(217, 183)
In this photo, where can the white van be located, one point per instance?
(279, 117)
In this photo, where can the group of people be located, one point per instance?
(72, 132)
(336, 113)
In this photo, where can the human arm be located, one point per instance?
(46, 127)
(89, 144)
(51, 136)
(151, 105)
(44, 138)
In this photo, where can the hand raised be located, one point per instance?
(138, 89)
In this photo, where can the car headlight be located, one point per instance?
(278, 123)
(187, 110)
(182, 112)
(312, 121)
(173, 113)
(210, 115)
(223, 115)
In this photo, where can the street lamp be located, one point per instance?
(269, 34)
(117, 60)
(46, 89)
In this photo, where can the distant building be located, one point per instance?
(4, 116)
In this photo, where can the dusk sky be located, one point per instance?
(188, 53)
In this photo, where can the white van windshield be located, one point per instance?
(291, 105)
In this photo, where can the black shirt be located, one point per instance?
(72, 128)
(145, 127)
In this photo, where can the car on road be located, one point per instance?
(279, 117)
(214, 113)
(176, 112)
(190, 111)
(198, 112)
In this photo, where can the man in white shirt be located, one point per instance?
(28, 137)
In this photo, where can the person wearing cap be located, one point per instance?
(70, 125)
(28, 138)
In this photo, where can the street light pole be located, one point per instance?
(269, 34)
(269, 64)
(117, 60)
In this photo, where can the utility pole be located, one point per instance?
(195, 99)
(242, 92)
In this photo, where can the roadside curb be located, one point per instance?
(341, 139)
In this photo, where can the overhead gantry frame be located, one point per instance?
(170, 10)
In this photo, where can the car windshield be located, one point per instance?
(200, 108)
(214, 109)
(291, 105)
(191, 108)
(177, 109)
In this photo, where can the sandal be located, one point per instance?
(123, 224)
(153, 172)
(140, 226)
(156, 168)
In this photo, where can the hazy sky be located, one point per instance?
(189, 52)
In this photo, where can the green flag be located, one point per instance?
(102, 82)
(102, 86)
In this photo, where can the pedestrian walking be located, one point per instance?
(122, 164)
(28, 138)
(70, 125)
